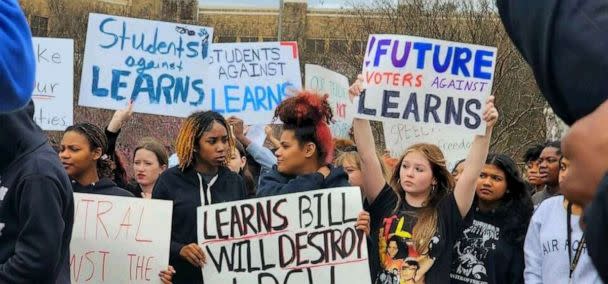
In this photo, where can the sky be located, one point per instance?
(273, 3)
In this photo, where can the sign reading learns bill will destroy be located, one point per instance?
(307, 237)
(426, 81)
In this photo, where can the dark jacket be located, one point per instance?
(596, 219)
(565, 42)
(36, 204)
(104, 186)
(183, 188)
(275, 183)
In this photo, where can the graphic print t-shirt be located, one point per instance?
(482, 255)
(399, 261)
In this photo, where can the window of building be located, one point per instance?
(118, 2)
(358, 47)
(39, 26)
(249, 39)
(315, 45)
(269, 39)
(338, 45)
(226, 39)
(169, 9)
(187, 9)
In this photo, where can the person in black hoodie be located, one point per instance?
(551, 34)
(305, 156)
(83, 153)
(491, 249)
(203, 147)
(36, 204)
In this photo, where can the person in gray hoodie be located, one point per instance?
(36, 204)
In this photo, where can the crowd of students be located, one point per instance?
(484, 221)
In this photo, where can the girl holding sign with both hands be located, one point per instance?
(415, 217)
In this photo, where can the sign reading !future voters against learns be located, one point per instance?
(159, 66)
(426, 81)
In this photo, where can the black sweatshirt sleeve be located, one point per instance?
(112, 138)
(37, 250)
(596, 217)
(274, 184)
(551, 34)
(161, 191)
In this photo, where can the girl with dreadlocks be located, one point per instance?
(83, 153)
(305, 156)
(203, 147)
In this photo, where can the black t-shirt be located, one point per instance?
(483, 255)
(396, 257)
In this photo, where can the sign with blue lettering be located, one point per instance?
(159, 66)
(426, 81)
(54, 90)
(249, 80)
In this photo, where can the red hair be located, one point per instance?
(309, 114)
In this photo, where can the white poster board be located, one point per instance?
(454, 144)
(335, 85)
(54, 89)
(160, 66)
(285, 239)
(249, 80)
(119, 239)
(426, 81)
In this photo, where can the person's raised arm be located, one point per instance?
(464, 192)
(275, 142)
(373, 179)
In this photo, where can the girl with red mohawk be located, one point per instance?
(306, 152)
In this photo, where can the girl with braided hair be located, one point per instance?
(306, 152)
(204, 146)
(83, 153)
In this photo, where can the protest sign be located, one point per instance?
(159, 66)
(454, 143)
(256, 134)
(306, 237)
(336, 86)
(119, 239)
(54, 89)
(426, 81)
(250, 79)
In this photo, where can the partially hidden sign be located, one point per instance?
(119, 239)
(54, 89)
(335, 85)
(160, 66)
(249, 80)
(454, 143)
(426, 81)
(307, 237)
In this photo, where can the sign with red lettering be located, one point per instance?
(119, 239)
(300, 238)
(426, 82)
(335, 85)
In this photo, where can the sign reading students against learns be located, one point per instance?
(119, 239)
(307, 237)
(54, 89)
(426, 81)
(335, 85)
(159, 66)
(249, 80)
